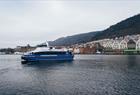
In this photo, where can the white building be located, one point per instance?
(116, 44)
(76, 50)
(138, 44)
(109, 44)
(127, 42)
(123, 44)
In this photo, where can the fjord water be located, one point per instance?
(86, 75)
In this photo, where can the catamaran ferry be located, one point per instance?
(46, 53)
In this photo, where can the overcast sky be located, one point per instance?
(33, 21)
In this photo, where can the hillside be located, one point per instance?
(70, 40)
(129, 26)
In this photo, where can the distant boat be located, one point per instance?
(98, 52)
(46, 53)
(19, 53)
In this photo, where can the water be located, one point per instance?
(86, 75)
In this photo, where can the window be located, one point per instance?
(49, 53)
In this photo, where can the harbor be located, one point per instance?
(69, 47)
(87, 74)
(127, 45)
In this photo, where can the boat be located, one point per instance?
(98, 52)
(46, 53)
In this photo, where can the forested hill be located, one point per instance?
(128, 26)
(75, 39)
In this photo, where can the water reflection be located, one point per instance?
(132, 61)
(46, 64)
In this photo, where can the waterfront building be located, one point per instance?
(70, 49)
(24, 48)
(123, 44)
(88, 49)
(92, 45)
(138, 44)
(131, 44)
(108, 44)
(104, 43)
(76, 50)
(116, 44)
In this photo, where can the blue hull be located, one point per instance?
(31, 58)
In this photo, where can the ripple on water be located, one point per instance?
(86, 75)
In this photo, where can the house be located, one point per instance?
(76, 50)
(116, 44)
(123, 44)
(138, 44)
(108, 44)
(131, 44)
(24, 48)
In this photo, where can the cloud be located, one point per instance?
(33, 21)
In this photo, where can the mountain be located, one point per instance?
(75, 39)
(128, 26)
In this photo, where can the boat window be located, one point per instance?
(49, 53)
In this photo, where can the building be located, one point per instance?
(123, 44)
(131, 44)
(108, 44)
(138, 44)
(24, 48)
(76, 50)
(116, 44)
(119, 44)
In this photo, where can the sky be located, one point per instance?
(32, 22)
